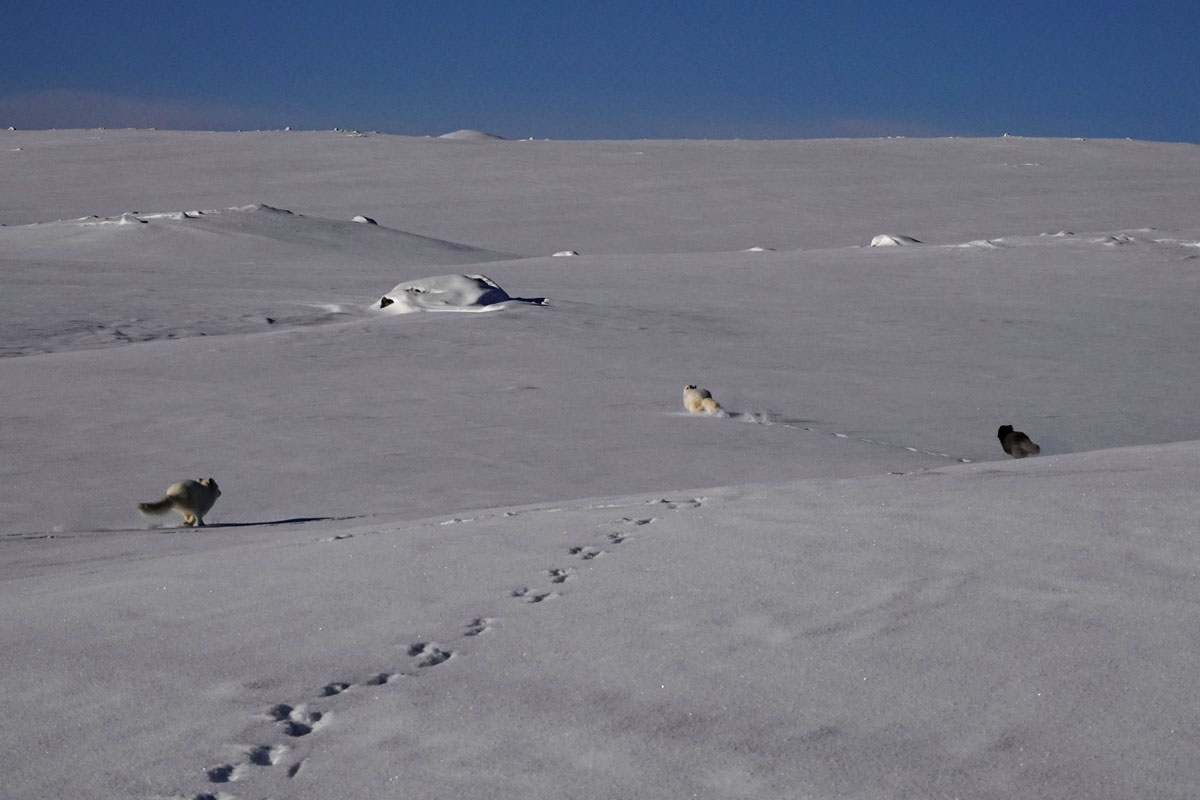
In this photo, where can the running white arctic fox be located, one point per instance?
(191, 498)
(699, 401)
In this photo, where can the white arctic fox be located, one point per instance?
(191, 498)
(699, 401)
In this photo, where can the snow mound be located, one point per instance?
(443, 293)
(360, 237)
(243, 234)
(893, 240)
(467, 134)
(566, 253)
(757, 249)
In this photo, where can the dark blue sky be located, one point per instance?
(610, 69)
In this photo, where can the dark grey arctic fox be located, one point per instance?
(1016, 443)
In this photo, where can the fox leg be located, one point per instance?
(188, 521)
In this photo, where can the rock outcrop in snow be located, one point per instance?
(443, 293)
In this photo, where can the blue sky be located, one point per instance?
(610, 69)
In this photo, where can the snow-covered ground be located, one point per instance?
(488, 555)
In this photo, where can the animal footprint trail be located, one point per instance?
(479, 626)
(379, 679)
(428, 654)
(877, 442)
(297, 722)
(678, 505)
(561, 575)
(586, 552)
(795, 425)
(265, 755)
(225, 773)
(529, 596)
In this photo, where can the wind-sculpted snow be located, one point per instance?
(241, 228)
(206, 272)
(349, 237)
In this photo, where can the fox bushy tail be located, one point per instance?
(157, 507)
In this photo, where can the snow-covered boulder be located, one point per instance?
(364, 220)
(443, 293)
(893, 240)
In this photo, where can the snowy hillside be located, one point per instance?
(489, 554)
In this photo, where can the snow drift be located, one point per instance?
(893, 240)
(443, 293)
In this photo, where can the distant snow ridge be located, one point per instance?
(136, 217)
(470, 135)
(893, 240)
(363, 220)
(980, 244)
(128, 218)
(443, 293)
(262, 208)
(1115, 240)
(566, 253)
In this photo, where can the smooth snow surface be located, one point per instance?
(490, 555)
